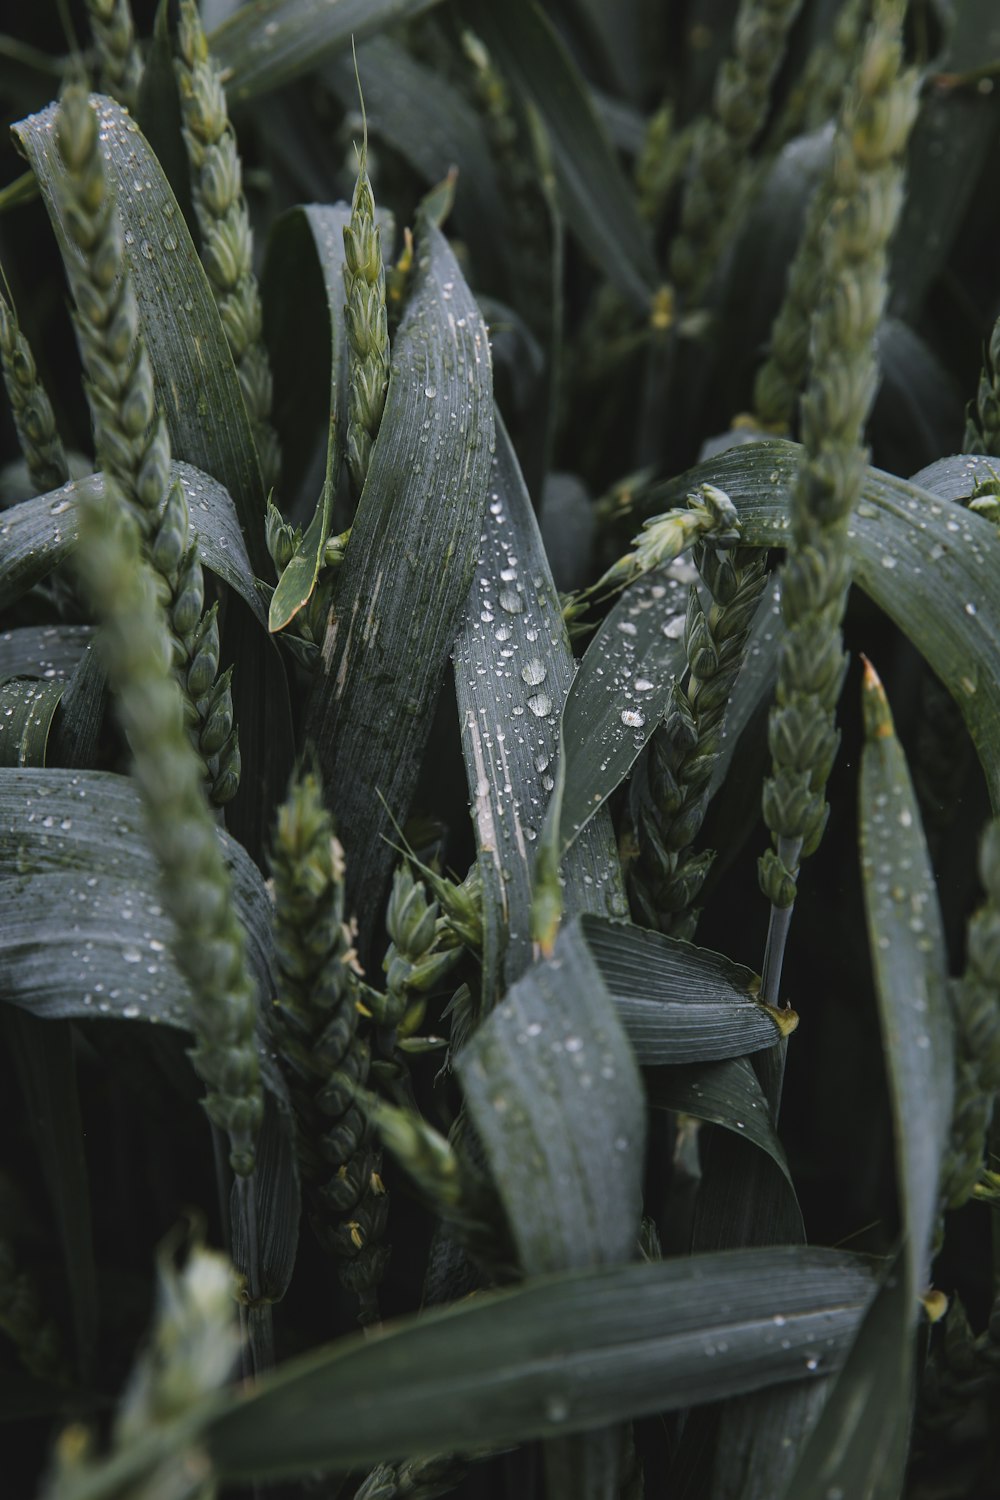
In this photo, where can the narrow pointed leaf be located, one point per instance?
(513, 667)
(909, 960)
(401, 590)
(273, 42)
(931, 565)
(552, 1088)
(677, 1003)
(556, 1355)
(599, 203)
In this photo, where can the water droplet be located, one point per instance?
(533, 671)
(511, 601)
(430, 391)
(540, 705)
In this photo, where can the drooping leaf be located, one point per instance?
(720, 1093)
(27, 708)
(555, 1355)
(929, 564)
(273, 42)
(401, 590)
(678, 1003)
(599, 203)
(551, 1085)
(513, 667)
(84, 933)
(38, 534)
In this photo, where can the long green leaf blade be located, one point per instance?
(909, 959)
(513, 668)
(678, 1003)
(559, 1354)
(402, 587)
(553, 1090)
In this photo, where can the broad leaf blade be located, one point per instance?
(551, 1085)
(678, 1003)
(556, 1355)
(552, 1088)
(403, 585)
(273, 42)
(599, 202)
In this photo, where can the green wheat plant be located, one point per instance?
(471, 479)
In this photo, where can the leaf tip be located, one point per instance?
(875, 705)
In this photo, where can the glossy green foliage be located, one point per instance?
(645, 1209)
